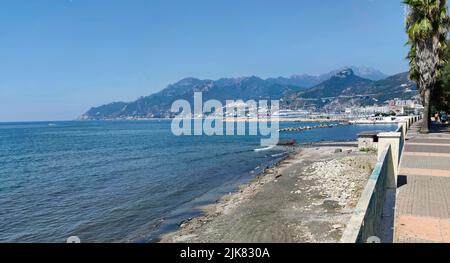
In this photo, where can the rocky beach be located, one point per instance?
(307, 197)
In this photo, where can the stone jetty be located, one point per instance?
(291, 129)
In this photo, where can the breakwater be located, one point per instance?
(320, 126)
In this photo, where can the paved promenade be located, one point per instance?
(423, 196)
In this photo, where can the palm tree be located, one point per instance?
(426, 26)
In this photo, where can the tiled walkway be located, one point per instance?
(423, 196)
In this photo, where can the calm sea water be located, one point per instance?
(117, 181)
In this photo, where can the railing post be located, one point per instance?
(393, 139)
(404, 126)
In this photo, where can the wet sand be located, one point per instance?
(308, 197)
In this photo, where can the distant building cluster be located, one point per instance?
(397, 106)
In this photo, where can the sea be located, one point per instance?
(125, 181)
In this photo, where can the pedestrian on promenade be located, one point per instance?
(436, 118)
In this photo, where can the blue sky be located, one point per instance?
(58, 58)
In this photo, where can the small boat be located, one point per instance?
(286, 142)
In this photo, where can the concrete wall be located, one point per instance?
(373, 218)
(366, 220)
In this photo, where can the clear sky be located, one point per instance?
(58, 58)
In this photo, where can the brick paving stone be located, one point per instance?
(423, 197)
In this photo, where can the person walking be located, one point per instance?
(436, 118)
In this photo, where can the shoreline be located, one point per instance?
(299, 199)
(170, 224)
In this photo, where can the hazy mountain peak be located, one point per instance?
(344, 73)
(188, 82)
(248, 78)
(368, 72)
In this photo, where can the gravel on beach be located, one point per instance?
(308, 197)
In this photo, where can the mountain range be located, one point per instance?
(346, 89)
(333, 91)
(309, 81)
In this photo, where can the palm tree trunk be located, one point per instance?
(426, 111)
